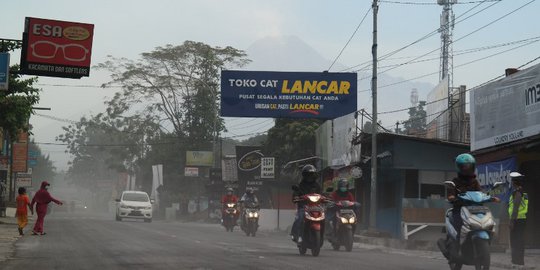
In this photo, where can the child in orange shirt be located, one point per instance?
(23, 202)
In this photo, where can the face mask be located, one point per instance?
(343, 189)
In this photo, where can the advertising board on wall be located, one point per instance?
(287, 94)
(23, 180)
(56, 48)
(20, 154)
(229, 170)
(507, 110)
(200, 158)
(268, 168)
(191, 171)
(4, 71)
(498, 171)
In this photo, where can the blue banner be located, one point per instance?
(287, 94)
(498, 171)
(4, 71)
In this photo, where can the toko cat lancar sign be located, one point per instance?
(320, 95)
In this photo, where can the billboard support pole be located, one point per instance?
(374, 126)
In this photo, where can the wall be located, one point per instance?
(268, 219)
(435, 157)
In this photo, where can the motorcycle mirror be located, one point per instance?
(498, 185)
(449, 184)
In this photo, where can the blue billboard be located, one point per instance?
(271, 94)
(4, 71)
(497, 171)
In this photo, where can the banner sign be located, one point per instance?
(20, 153)
(506, 110)
(200, 158)
(23, 180)
(56, 48)
(498, 171)
(4, 71)
(229, 171)
(287, 94)
(191, 171)
(267, 168)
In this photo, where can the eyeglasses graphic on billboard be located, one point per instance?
(48, 50)
(56, 48)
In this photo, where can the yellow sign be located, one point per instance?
(199, 158)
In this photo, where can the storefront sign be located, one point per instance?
(229, 170)
(287, 94)
(23, 180)
(267, 168)
(191, 171)
(56, 48)
(498, 171)
(507, 110)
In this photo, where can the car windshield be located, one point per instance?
(135, 197)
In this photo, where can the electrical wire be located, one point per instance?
(348, 41)
(431, 3)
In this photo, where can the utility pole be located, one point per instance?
(373, 194)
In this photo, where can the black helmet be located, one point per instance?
(309, 173)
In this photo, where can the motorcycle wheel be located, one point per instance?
(253, 228)
(349, 240)
(316, 243)
(302, 249)
(455, 266)
(483, 255)
(335, 246)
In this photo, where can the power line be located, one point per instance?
(431, 3)
(348, 41)
(103, 86)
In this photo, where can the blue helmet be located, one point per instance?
(465, 162)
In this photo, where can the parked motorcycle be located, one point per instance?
(229, 217)
(344, 225)
(313, 228)
(250, 222)
(476, 232)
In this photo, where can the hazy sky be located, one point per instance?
(127, 28)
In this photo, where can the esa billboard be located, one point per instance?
(271, 94)
(56, 48)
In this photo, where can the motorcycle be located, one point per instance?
(229, 217)
(313, 228)
(250, 222)
(476, 232)
(344, 225)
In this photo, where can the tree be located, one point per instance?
(179, 84)
(44, 170)
(16, 103)
(292, 139)
(416, 125)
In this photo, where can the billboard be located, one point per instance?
(4, 71)
(506, 110)
(437, 117)
(229, 169)
(321, 95)
(20, 154)
(248, 160)
(56, 48)
(23, 180)
(498, 171)
(268, 168)
(200, 158)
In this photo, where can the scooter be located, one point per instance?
(473, 247)
(313, 228)
(229, 217)
(250, 222)
(345, 225)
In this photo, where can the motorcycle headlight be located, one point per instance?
(250, 214)
(230, 205)
(255, 214)
(344, 220)
(314, 198)
(352, 220)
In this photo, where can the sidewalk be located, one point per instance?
(8, 234)
(498, 259)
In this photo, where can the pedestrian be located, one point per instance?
(517, 211)
(23, 204)
(41, 199)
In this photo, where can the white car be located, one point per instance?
(134, 204)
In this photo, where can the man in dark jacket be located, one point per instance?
(307, 185)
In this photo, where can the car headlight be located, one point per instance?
(123, 205)
(314, 198)
(148, 208)
(344, 220)
(352, 220)
(230, 205)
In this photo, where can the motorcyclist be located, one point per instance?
(465, 181)
(229, 197)
(307, 185)
(248, 200)
(341, 194)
